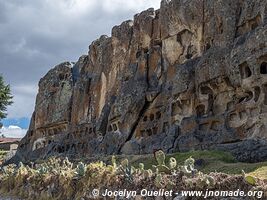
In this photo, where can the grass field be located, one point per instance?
(261, 173)
(211, 161)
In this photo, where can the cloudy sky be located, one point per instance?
(35, 35)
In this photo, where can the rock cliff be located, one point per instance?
(191, 75)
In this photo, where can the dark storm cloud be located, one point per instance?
(35, 35)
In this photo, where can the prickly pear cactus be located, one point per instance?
(210, 181)
(128, 174)
(189, 165)
(80, 169)
(20, 165)
(67, 163)
(164, 168)
(148, 173)
(141, 166)
(113, 160)
(161, 167)
(158, 181)
(42, 170)
(160, 157)
(172, 163)
(249, 179)
(125, 163)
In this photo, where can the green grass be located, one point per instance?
(260, 173)
(213, 161)
(207, 156)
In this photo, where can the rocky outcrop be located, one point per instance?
(191, 75)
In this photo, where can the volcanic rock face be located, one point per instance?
(191, 75)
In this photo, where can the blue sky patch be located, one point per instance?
(20, 122)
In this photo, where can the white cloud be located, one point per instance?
(25, 89)
(24, 101)
(13, 131)
(133, 5)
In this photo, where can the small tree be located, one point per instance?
(5, 98)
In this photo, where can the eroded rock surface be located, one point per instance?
(191, 75)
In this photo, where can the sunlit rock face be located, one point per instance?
(189, 76)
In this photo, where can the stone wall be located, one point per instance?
(191, 75)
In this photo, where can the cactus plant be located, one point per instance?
(128, 174)
(125, 163)
(141, 166)
(160, 157)
(80, 169)
(188, 167)
(211, 181)
(249, 179)
(113, 160)
(42, 170)
(20, 165)
(172, 163)
(158, 181)
(148, 173)
(189, 164)
(56, 179)
(161, 167)
(67, 163)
